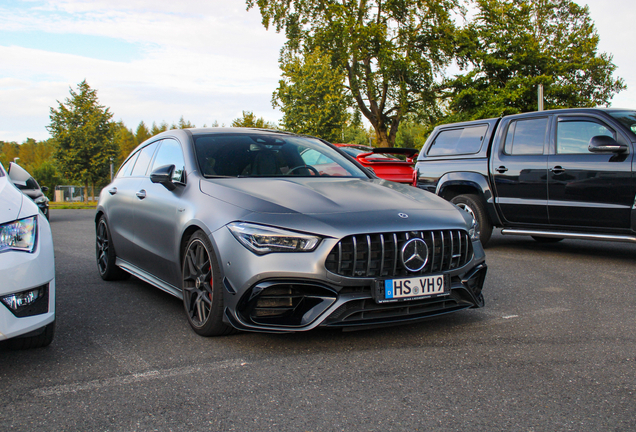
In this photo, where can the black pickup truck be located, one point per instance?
(548, 174)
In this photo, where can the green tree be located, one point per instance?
(354, 132)
(158, 129)
(125, 140)
(8, 152)
(312, 96)
(250, 120)
(83, 132)
(47, 175)
(512, 46)
(183, 124)
(142, 133)
(391, 50)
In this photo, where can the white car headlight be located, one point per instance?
(262, 239)
(19, 235)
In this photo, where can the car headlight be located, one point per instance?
(473, 232)
(262, 239)
(41, 200)
(19, 235)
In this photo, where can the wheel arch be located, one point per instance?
(453, 184)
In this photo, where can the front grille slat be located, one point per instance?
(377, 255)
(382, 254)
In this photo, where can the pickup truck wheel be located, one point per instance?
(474, 205)
(547, 239)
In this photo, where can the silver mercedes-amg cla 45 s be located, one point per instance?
(268, 231)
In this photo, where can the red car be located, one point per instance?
(385, 166)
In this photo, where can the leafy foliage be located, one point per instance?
(390, 51)
(83, 132)
(512, 46)
(250, 120)
(312, 96)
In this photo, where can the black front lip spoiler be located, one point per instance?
(465, 294)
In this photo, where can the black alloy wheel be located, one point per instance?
(203, 288)
(105, 253)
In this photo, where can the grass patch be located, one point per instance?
(73, 205)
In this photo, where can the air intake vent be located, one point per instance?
(380, 255)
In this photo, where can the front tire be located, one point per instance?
(105, 253)
(475, 206)
(203, 288)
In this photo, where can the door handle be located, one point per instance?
(502, 169)
(112, 191)
(141, 194)
(557, 169)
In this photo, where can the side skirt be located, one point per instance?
(147, 277)
(570, 235)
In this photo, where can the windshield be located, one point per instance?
(628, 118)
(269, 155)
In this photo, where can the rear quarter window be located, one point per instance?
(466, 140)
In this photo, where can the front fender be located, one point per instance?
(477, 183)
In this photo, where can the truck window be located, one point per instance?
(573, 137)
(466, 140)
(526, 137)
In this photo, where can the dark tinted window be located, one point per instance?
(170, 154)
(466, 140)
(573, 137)
(143, 160)
(526, 137)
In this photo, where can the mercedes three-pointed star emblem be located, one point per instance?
(414, 254)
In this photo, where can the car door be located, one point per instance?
(519, 170)
(586, 189)
(122, 200)
(157, 214)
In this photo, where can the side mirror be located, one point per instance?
(163, 176)
(44, 188)
(18, 175)
(605, 144)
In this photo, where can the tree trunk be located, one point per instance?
(86, 193)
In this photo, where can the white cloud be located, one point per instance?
(204, 60)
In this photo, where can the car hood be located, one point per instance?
(317, 196)
(348, 205)
(10, 201)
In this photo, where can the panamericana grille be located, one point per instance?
(378, 255)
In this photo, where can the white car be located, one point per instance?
(27, 270)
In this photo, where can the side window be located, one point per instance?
(526, 137)
(127, 167)
(466, 140)
(573, 137)
(143, 160)
(170, 154)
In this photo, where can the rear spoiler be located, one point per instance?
(408, 152)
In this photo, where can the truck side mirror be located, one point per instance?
(605, 144)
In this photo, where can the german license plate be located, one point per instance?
(414, 288)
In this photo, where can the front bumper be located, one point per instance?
(301, 294)
(21, 271)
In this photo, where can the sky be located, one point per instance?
(159, 60)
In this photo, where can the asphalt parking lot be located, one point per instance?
(553, 350)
